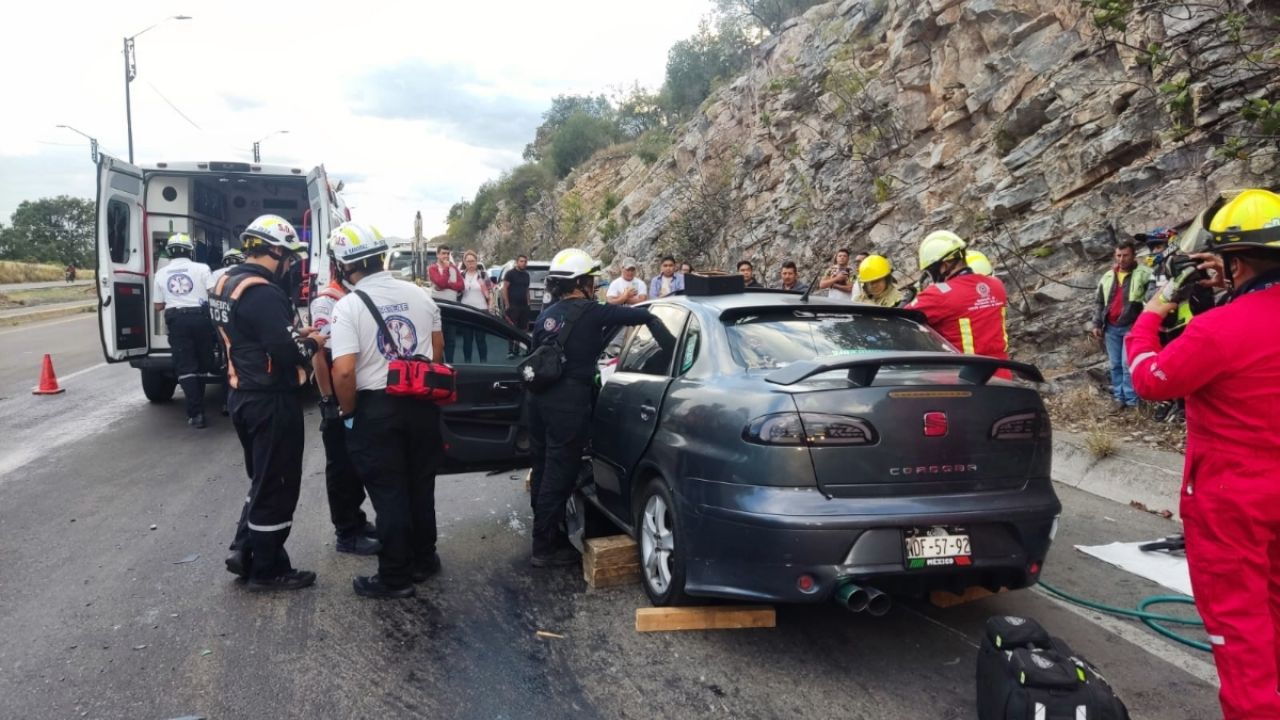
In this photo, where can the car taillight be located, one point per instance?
(810, 429)
(1022, 426)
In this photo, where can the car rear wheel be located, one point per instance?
(158, 385)
(662, 565)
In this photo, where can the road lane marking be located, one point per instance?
(78, 373)
(38, 324)
(1139, 636)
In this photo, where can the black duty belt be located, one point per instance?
(187, 311)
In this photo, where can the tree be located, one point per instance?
(55, 230)
(562, 108)
(768, 15)
(578, 139)
(694, 66)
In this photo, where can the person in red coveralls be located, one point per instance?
(1227, 366)
(968, 309)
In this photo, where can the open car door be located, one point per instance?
(487, 428)
(122, 263)
(327, 211)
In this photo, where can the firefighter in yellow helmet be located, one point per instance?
(1227, 366)
(876, 283)
(978, 263)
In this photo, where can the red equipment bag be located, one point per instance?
(414, 376)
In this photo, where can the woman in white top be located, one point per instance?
(475, 293)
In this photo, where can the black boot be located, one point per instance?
(373, 587)
(292, 580)
(563, 557)
(197, 421)
(238, 563)
(425, 569)
(358, 545)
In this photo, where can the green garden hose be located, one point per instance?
(1155, 621)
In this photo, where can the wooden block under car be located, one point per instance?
(609, 551)
(718, 617)
(944, 599)
(610, 562)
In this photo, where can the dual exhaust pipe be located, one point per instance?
(857, 598)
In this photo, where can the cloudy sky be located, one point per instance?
(413, 104)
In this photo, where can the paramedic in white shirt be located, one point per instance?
(628, 289)
(181, 292)
(230, 259)
(394, 441)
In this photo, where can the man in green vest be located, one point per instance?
(1121, 294)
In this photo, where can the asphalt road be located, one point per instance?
(101, 618)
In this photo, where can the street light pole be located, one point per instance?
(93, 142)
(257, 146)
(131, 72)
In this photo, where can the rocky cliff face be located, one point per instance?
(868, 123)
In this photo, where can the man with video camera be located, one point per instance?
(1226, 363)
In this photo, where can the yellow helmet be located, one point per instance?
(978, 263)
(1250, 220)
(873, 267)
(937, 246)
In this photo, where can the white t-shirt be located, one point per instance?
(451, 275)
(213, 277)
(322, 310)
(472, 294)
(182, 284)
(618, 286)
(839, 294)
(409, 312)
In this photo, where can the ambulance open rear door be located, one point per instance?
(123, 267)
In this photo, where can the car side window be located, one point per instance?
(118, 230)
(692, 345)
(644, 354)
(467, 344)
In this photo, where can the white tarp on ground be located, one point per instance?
(1159, 567)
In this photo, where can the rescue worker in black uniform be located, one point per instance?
(560, 416)
(181, 292)
(266, 360)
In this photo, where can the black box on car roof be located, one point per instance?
(713, 284)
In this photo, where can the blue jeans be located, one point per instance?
(1121, 381)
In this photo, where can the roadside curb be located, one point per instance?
(37, 314)
(1150, 477)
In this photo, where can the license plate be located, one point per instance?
(936, 547)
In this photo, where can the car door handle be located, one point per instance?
(647, 412)
(506, 386)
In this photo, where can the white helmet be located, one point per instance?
(573, 263)
(272, 230)
(180, 241)
(352, 242)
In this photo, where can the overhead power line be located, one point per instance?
(171, 105)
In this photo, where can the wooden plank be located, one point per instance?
(717, 617)
(944, 599)
(609, 551)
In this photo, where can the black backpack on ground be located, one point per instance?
(545, 364)
(1025, 674)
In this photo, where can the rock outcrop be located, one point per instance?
(868, 123)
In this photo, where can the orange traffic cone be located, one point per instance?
(48, 381)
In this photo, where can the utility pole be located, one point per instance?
(131, 72)
(93, 142)
(417, 245)
(257, 146)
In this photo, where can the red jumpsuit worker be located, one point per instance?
(1227, 366)
(968, 309)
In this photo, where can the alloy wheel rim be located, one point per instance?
(657, 544)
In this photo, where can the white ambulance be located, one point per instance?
(140, 207)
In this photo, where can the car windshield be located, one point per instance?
(401, 259)
(776, 338)
(537, 276)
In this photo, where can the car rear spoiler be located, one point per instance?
(976, 369)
